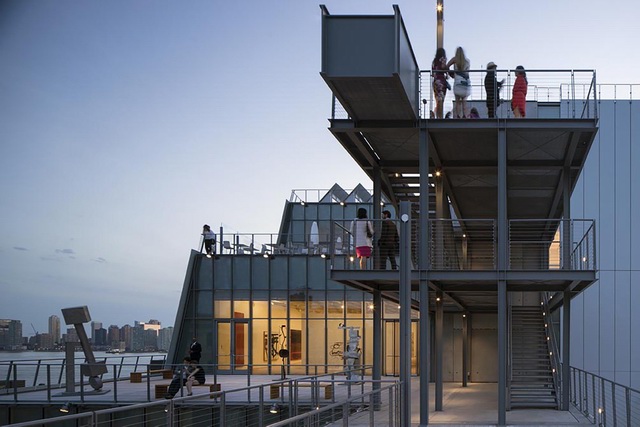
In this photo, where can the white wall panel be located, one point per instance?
(622, 186)
(634, 184)
(591, 336)
(606, 183)
(622, 321)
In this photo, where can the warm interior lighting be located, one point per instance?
(370, 306)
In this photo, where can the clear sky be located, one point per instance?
(126, 125)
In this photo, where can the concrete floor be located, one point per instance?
(475, 405)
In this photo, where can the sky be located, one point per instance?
(127, 125)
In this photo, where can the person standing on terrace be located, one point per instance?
(439, 73)
(519, 97)
(492, 87)
(461, 82)
(209, 240)
(361, 234)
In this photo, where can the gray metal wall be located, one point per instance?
(605, 319)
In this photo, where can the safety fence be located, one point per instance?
(603, 401)
(275, 403)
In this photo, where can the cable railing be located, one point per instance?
(270, 403)
(50, 372)
(454, 244)
(603, 401)
(566, 93)
(553, 343)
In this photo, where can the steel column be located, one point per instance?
(503, 229)
(423, 259)
(405, 311)
(377, 341)
(566, 340)
(465, 348)
(439, 347)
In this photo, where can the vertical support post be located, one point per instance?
(567, 238)
(465, 348)
(405, 311)
(377, 215)
(377, 343)
(440, 218)
(566, 340)
(503, 229)
(70, 362)
(423, 259)
(440, 23)
(439, 349)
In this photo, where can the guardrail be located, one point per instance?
(604, 402)
(51, 371)
(267, 403)
(553, 343)
(573, 92)
(455, 244)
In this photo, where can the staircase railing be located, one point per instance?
(552, 343)
(510, 352)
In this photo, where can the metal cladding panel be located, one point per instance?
(359, 46)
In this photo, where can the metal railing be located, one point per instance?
(604, 402)
(542, 244)
(553, 343)
(257, 405)
(455, 244)
(50, 372)
(573, 91)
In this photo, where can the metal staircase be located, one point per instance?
(532, 380)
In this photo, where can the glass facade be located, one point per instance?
(246, 309)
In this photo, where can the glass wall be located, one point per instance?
(285, 303)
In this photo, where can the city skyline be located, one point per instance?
(126, 127)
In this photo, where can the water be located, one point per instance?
(31, 366)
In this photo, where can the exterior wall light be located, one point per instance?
(275, 408)
(438, 173)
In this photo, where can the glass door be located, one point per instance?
(232, 338)
(392, 348)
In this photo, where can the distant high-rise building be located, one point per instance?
(70, 336)
(150, 339)
(164, 338)
(94, 327)
(126, 335)
(44, 342)
(100, 337)
(10, 334)
(113, 336)
(137, 338)
(54, 328)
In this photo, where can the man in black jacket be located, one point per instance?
(492, 86)
(195, 350)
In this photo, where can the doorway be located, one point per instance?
(232, 344)
(391, 346)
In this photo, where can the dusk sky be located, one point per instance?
(127, 125)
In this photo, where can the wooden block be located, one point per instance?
(135, 377)
(161, 390)
(167, 374)
(328, 391)
(274, 391)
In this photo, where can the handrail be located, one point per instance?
(603, 401)
(393, 387)
(552, 344)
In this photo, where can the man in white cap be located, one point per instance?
(492, 87)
